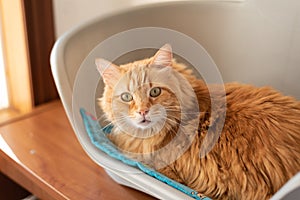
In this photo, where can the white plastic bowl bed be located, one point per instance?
(256, 42)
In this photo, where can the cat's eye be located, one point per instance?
(127, 97)
(154, 92)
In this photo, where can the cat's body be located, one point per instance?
(258, 149)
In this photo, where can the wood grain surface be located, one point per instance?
(41, 153)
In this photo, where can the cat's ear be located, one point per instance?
(163, 56)
(110, 72)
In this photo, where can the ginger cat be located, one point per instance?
(156, 101)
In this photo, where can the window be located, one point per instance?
(3, 84)
(15, 83)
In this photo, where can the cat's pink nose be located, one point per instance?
(143, 112)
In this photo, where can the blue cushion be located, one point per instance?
(98, 137)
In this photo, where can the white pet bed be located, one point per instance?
(252, 41)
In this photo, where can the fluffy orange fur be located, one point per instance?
(258, 149)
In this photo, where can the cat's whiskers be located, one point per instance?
(173, 110)
(175, 121)
(119, 120)
(102, 118)
(120, 124)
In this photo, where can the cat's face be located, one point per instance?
(144, 96)
(142, 99)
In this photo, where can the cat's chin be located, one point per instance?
(144, 124)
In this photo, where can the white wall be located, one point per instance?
(69, 13)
